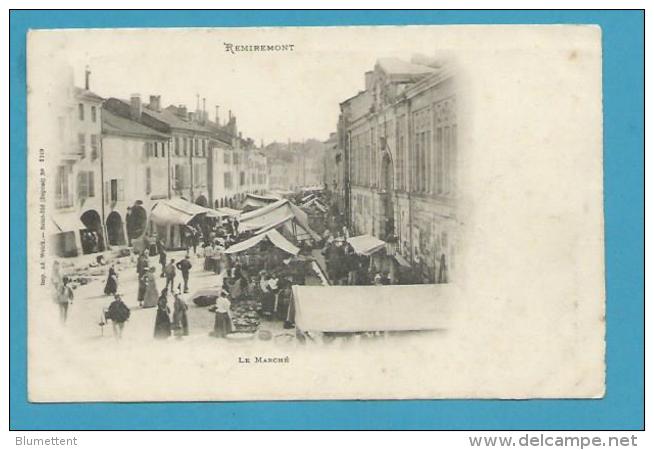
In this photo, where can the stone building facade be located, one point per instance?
(399, 136)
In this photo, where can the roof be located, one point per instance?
(396, 66)
(113, 124)
(168, 116)
(87, 95)
(220, 132)
(349, 309)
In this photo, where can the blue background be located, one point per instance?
(623, 406)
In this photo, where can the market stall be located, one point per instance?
(172, 217)
(253, 201)
(278, 214)
(366, 244)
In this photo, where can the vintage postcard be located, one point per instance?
(295, 213)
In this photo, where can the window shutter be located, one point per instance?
(82, 185)
(148, 180)
(91, 183)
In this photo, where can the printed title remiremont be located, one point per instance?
(233, 48)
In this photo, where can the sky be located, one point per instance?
(275, 96)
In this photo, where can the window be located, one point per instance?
(93, 114)
(63, 199)
(445, 163)
(148, 150)
(85, 184)
(148, 181)
(242, 179)
(94, 146)
(228, 180)
(439, 160)
(185, 150)
(80, 110)
(227, 159)
(156, 149)
(81, 144)
(191, 142)
(204, 147)
(163, 149)
(176, 145)
(91, 183)
(401, 156)
(112, 192)
(199, 174)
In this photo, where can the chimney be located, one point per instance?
(204, 104)
(217, 115)
(155, 103)
(181, 111)
(87, 78)
(230, 115)
(369, 79)
(191, 116)
(135, 106)
(197, 102)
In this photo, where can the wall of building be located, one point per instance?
(403, 165)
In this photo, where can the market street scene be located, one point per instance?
(170, 222)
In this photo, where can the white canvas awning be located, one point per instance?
(227, 212)
(366, 244)
(258, 201)
(273, 236)
(67, 222)
(176, 211)
(352, 309)
(274, 215)
(314, 202)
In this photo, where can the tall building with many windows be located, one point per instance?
(399, 138)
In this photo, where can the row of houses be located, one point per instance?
(394, 162)
(295, 165)
(116, 158)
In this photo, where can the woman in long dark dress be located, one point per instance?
(111, 286)
(150, 298)
(162, 322)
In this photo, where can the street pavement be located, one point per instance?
(85, 312)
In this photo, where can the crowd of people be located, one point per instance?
(346, 267)
(264, 274)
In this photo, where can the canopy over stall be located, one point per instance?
(276, 214)
(350, 309)
(227, 212)
(258, 201)
(315, 203)
(366, 244)
(176, 211)
(273, 236)
(282, 193)
(67, 222)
